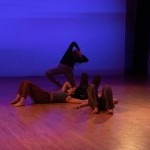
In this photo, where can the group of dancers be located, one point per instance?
(85, 94)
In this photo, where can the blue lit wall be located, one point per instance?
(34, 34)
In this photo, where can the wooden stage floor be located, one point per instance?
(60, 127)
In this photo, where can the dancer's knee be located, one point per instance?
(48, 74)
(27, 81)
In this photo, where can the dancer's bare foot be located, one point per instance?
(110, 111)
(116, 101)
(96, 111)
(15, 101)
(20, 103)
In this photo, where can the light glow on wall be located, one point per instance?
(34, 34)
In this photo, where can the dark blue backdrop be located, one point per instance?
(34, 34)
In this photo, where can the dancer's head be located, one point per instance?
(97, 80)
(77, 53)
(84, 79)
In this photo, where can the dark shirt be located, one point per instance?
(69, 59)
(81, 92)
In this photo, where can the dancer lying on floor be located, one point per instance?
(38, 95)
(79, 92)
(102, 102)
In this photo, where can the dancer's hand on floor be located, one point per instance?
(77, 107)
